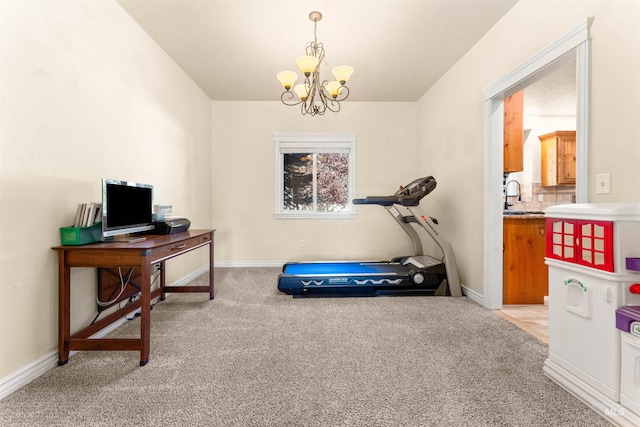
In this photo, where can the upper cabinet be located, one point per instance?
(513, 132)
(558, 158)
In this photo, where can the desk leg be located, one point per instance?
(145, 312)
(64, 302)
(163, 295)
(211, 268)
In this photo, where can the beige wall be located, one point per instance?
(86, 94)
(243, 176)
(451, 114)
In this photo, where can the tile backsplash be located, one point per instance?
(531, 192)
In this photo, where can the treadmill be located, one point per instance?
(417, 274)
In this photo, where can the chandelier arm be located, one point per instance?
(332, 105)
(307, 108)
(322, 91)
(287, 98)
(343, 94)
(320, 107)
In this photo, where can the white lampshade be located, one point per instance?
(287, 79)
(342, 73)
(334, 88)
(302, 90)
(307, 64)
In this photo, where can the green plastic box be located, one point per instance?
(73, 236)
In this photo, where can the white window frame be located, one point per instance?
(285, 143)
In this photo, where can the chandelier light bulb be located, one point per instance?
(302, 90)
(342, 73)
(287, 79)
(307, 64)
(334, 88)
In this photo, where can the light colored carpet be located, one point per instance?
(256, 357)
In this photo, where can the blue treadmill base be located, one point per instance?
(357, 279)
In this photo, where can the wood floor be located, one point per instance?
(533, 319)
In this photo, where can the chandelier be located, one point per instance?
(314, 96)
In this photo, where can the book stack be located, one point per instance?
(88, 214)
(160, 212)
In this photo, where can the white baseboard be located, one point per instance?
(189, 277)
(473, 295)
(28, 373)
(248, 264)
(33, 370)
(612, 411)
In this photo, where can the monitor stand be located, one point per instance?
(125, 238)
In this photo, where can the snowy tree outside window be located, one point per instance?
(314, 175)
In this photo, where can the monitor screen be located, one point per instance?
(127, 207)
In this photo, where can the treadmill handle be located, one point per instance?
(376, 200)
(388, 200)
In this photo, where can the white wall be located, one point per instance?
(243, 169)
(451, 117)
(86, 94)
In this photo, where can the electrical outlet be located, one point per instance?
(540, 198)
(603, 183)
(301, 244)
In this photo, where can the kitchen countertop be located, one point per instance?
(507, 214)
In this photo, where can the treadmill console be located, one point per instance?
(421, 186)
(409, 195)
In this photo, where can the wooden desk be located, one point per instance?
(144, 255)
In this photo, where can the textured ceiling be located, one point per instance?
(555, 94)
(233, 49)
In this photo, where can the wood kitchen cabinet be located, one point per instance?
(525, 275)
(513, 132)
(558, 158)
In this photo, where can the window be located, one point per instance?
(315, 175)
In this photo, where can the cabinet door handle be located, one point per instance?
(184, 245)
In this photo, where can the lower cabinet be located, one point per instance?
(525, 275)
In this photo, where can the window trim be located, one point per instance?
(312, 142)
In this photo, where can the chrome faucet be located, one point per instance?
(506, 193)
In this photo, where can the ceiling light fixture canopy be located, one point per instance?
(313, 95)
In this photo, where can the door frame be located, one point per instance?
(574, 44)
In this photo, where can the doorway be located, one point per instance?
(547, 121)
(574, 46)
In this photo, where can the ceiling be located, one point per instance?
(554, 94)
(233, 49)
